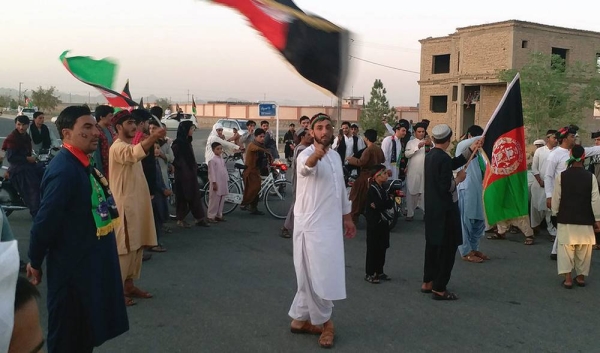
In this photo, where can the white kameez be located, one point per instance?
(386, 147)
(321, 201)
(415, 173)
(539, 210)
(575, 241)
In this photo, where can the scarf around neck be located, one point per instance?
(104, 209)
(41, 135)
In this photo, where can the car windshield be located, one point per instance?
(28, 110)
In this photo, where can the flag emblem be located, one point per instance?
(506, 156)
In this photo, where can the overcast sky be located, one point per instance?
(166, 48)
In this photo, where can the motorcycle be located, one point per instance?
(10, 198)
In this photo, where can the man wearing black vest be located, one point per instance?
(347, 145)
(576, 204)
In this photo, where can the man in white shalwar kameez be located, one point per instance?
(556, 163)
(392, 150)
(415, 170)
(539, 209)
(322, 210)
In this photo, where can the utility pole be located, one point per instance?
(19, 100)
(188, 96)
(89, 98)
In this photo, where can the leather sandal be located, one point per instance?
(472, 258)
(481, 255)
(307, 327)
(129, 302)
(326, 339)
(138, 293)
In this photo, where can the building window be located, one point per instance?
(559, 64)
(439, 104)
(598, 62)
(441, 64)
(454, 93)
(524, 44)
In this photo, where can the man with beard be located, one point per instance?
(74, 232)
(132, 196)
(288, 140)
(269, 142)
(258, 159)
(25, 173)
(348, 144)
(415, 152)
(320, 205)
(41, 137)
(371, 156)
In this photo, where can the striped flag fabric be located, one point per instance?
(99, 74)
(315, 47)
(193, 105)
(505, 194)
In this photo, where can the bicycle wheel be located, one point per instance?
(279, 198)
(232, 200)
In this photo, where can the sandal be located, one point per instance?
(372, 279)
(444, 296)
(307, 327)
(138, 293)
(567, 286)
(579, 283)
(472, 258)
(129, 302)
(326, 339)
(528, 241)
(158, 248)
(424, 288)
(496, 236)
(183, 224)
(481, 255)
(220, 219)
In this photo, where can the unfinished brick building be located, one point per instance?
(459, 82)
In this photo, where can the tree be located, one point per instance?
(163, 103)
(5, 101)
(554, 94)
(377, 109)
(45, 99)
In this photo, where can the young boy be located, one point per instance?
(576, 205)
(217, 176)
(378, 232)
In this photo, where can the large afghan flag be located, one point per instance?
(99, 74)
(505, 192)
(315, 47)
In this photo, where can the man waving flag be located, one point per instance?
(315, 47)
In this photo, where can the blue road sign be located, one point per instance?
(267, 109)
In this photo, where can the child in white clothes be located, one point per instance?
(217, 177)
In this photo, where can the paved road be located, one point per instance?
(228, 289)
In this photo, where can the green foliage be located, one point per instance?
(377, 109)
(554, 94)
(5, 101)
(163, 103)
(45, 99)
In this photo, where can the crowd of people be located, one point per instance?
(95, 198)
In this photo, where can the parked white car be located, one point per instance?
(229, 124)
(28, 112)
(172, 123)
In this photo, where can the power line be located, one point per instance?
(378, 64)
(381, 45)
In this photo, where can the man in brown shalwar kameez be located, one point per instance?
(132, 196)
(371, 156)
(257, 162)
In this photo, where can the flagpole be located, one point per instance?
(510, 86)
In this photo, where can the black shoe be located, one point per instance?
(146, 257)
(384, 277)
(553, 257)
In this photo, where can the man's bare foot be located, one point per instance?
(298, 326)
(326, 338)
(568, 282)
(580, 280)
(426, 287)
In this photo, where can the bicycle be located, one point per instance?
(275, 193)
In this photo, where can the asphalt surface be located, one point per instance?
(228, 288)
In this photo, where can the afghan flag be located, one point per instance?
(315, 47)
(193, 105)
(99, 74)
(126, 92)
(505, 193)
